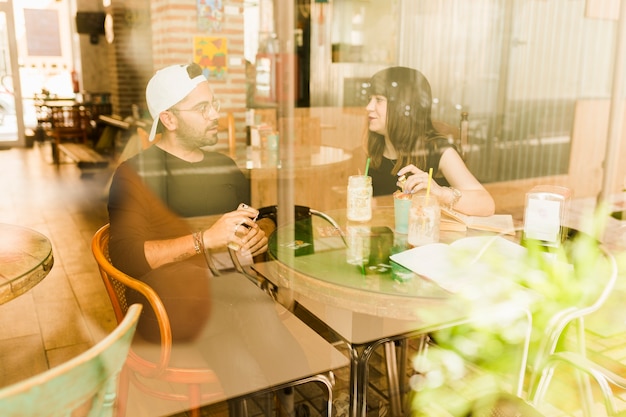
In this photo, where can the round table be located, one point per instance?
(25, 259)
(368, 308)
(326, 275)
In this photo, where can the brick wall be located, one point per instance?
(131, 58)
(153, 34)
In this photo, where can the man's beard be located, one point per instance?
(193, 138)
(209, 139)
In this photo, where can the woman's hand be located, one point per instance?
(411, 179)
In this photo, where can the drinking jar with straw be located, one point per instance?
(360, 196)
(358, 214)
(424, 217)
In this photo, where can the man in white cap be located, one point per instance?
(175, 178)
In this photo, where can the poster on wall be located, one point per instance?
(210, 15)
(42, 32)
(210, 53)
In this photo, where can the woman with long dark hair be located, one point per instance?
(403, 145)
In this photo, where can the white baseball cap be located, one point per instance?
(167, 87)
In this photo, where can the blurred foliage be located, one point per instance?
(484, 356)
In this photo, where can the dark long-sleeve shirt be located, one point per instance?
(154, 191)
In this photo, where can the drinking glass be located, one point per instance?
(359, 198)
(358, 242)
(424, 219)
(401, 208)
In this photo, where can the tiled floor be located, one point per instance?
(69, 309)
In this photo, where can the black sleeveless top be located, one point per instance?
(384, 182)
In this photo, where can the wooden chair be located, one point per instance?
(85, 384)
(228, 124)
(459, 134)
(69, 123)
(307, 131)
(116, 283)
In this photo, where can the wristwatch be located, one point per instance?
(456, 196)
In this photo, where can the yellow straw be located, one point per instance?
(430, 178)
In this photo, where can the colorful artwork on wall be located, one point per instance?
(210, 15)
(211, 53)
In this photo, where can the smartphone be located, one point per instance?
(244, 206)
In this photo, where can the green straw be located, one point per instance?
(367, 166)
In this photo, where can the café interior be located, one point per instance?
(531, 92)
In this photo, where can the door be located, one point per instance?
(12, 130)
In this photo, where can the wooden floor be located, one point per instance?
(69, 310)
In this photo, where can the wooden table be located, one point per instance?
(25, 259)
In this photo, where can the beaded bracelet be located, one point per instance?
(456, 196)
(197, 242)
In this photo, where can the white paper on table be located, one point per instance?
(461, 262)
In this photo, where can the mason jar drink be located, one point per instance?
(358, 242)
(424, 218)
(359, 198)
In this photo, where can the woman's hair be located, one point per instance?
(409, 125)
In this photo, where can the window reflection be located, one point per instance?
(364, 31)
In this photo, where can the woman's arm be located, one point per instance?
(475, 200)
(470, 198)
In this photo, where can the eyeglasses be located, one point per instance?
(205, 110)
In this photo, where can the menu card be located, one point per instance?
(463, 262)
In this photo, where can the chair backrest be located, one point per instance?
(303, 232)
(117, 283)
(74, 116)
(459, 134)
(70, 123)
(303, 222)
(228, 123)
(87, 382)
(307, 131)
(572, 315)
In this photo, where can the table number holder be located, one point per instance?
(545, 215)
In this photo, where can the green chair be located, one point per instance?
(85, 385)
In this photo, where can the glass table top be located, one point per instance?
(25, 259)
(320, 251)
